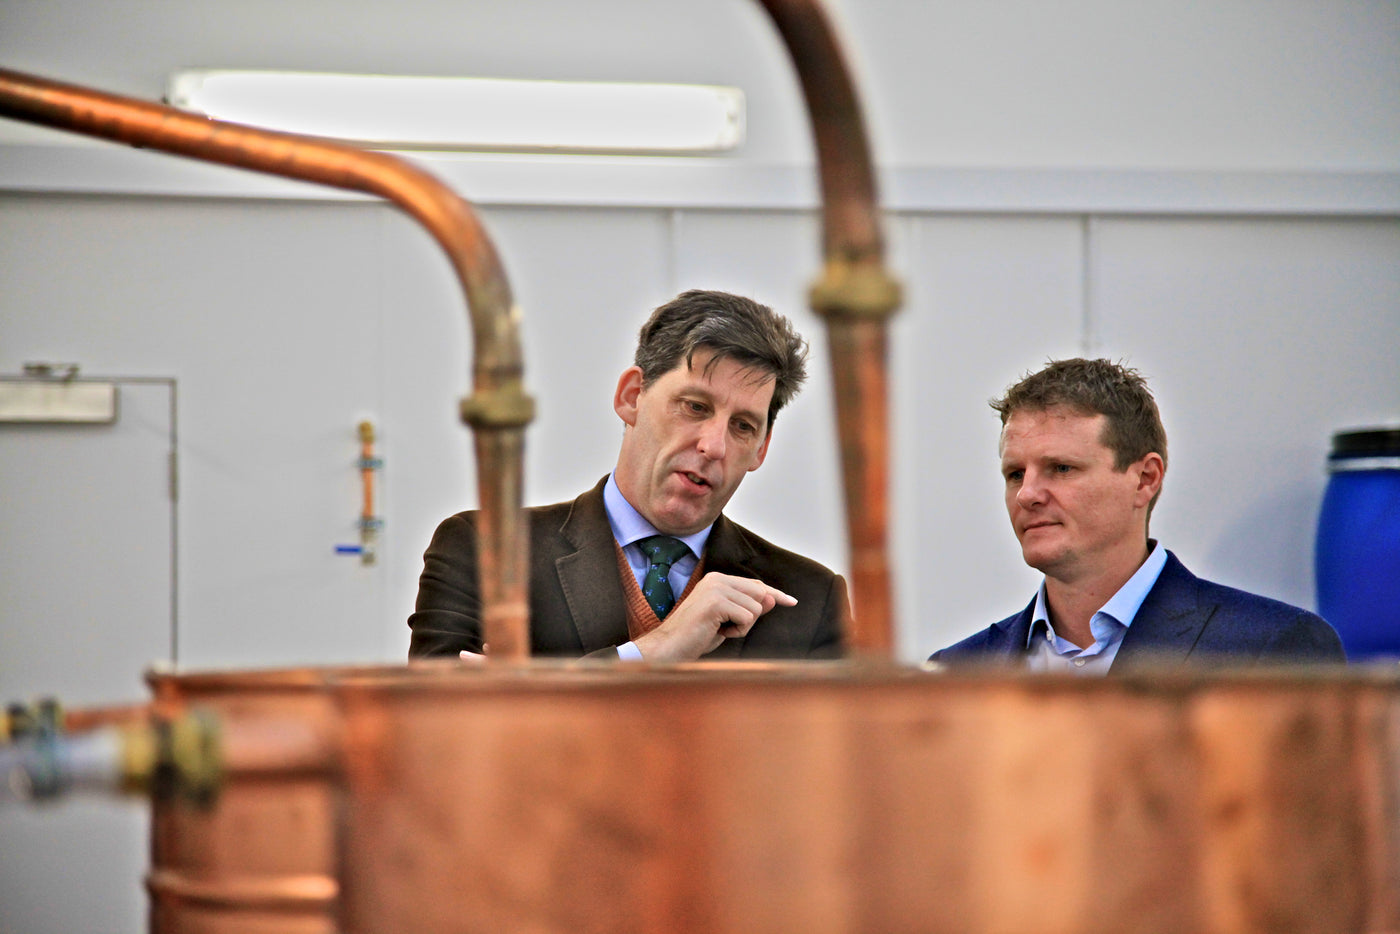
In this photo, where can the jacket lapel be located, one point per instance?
(587, 570)
(1169, 622)
(1006, 642)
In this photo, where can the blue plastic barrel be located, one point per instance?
(1358, 543)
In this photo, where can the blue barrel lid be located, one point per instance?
(1365, 449)
(1367, 442)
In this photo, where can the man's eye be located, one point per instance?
(693, 407)
(744, 428)
(1063, 468)
(1014, 476)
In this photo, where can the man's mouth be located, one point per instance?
(695, 478)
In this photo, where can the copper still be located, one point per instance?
(810, 797)
(841, 797)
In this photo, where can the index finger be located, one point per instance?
(782, 599)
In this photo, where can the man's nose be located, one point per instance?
(713, 438)
(1031, 491)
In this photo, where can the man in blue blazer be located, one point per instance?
(1083, 456)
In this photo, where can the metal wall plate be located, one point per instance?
(32, 401)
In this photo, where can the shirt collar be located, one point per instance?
(1122, 606)
(629, 525)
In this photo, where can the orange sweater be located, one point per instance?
(641, 619)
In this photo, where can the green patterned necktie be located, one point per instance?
(663, 551)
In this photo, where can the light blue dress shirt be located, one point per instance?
(1048, 651)
(630, 527)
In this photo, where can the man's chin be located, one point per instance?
(1043, 560)
(690, 512)
(682, 522)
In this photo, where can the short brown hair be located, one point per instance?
(731, 327)
(1133, 426)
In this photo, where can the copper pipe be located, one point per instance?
(21, 721)
(856, 296)
(369, 522)
(186, 753)
(498, 409)
(367, 467)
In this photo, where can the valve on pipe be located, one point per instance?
(165, 757)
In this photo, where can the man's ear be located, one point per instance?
(762, 450)
(1150, 473)
(628, 394)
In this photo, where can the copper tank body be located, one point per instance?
(262, 860)
(795, 798)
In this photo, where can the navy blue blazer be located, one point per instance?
(1183, 621)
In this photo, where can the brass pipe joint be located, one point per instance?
(855, 290)
(173, 758)
(161, 757)
(507, 406)
(22, 721)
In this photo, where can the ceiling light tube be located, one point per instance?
(488, 114)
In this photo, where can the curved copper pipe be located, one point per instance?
(851, 225)
(856, 296)
(498, 409)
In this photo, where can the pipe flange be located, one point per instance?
(195, 754)
(855, 290)
(505, 407)
(174, 758)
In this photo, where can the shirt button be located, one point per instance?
(1079, 663)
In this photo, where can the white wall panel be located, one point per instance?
(1151, 84)
(85, 553)
(1260, 338)
(988, 300)
(261, 313)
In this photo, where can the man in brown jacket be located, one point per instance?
(644, 565)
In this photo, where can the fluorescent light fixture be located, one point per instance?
(401, 112)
